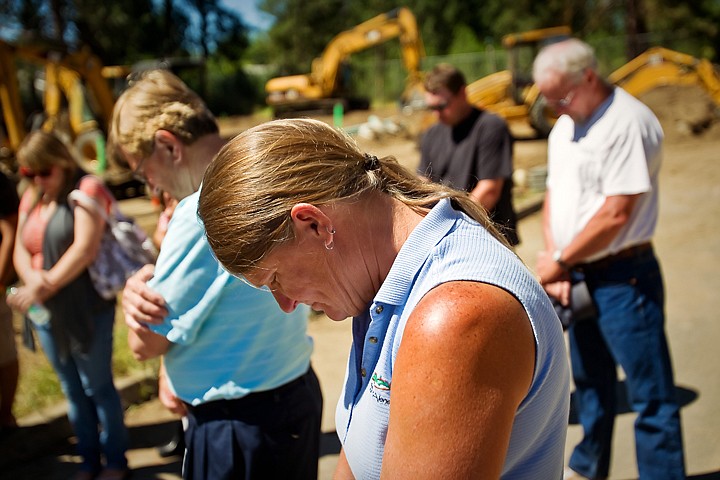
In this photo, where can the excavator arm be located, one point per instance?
(386, 26)
(324, 81)
(13, 116)
(660, 67)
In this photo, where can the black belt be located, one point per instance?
(225, 408)
(625, 254)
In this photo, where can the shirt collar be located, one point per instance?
(581, 130)
(415, 251)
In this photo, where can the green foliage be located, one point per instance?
(230, 90)
(259, 50)
(302, 29)
(220, 31)
(125, 31)
(128, 31)
(465, 41)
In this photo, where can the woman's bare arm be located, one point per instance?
(465, 364)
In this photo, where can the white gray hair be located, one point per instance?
(569, 58)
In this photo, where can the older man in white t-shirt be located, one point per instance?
(600, 213)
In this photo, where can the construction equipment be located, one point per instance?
(77, 99)
(661, 67)
(512, 94)
(325, 86)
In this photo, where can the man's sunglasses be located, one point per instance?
(29, 173)
(438, 106)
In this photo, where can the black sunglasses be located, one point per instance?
(437, 107)
(29, 173)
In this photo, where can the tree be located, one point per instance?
(144, 31)
(302, 30)
(219, 29)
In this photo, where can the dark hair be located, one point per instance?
(444, 75)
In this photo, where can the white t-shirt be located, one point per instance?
(617, 152)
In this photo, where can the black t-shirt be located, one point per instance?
(478, 148)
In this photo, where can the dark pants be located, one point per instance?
(265, 435)
(629, 331)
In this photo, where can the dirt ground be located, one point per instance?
(686, 113)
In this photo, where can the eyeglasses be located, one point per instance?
(438, 106)
(565, 101)
(30, 174)
(137, 172)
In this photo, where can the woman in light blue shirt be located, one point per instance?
(458, 366)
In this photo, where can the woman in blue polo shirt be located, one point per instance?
(458, 367)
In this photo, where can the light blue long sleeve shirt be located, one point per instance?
(229, 339)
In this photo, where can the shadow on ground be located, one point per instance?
(47, 451)
(706, 476)
(685, 396)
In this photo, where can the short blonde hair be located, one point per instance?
(158, 100)
(254, 181)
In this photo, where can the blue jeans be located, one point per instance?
(629, 331)
(87, 382)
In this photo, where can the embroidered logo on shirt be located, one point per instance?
(380, 383)
(380, 389)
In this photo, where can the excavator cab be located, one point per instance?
(522, 48)
(511, 93)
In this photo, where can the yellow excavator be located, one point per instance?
(512, 94)
(77, 102)
(659, 66)
(77, 99)
(325, 86)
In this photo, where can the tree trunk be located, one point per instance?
(637, 41)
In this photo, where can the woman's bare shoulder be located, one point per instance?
(464, 306)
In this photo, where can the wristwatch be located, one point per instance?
(557, 258)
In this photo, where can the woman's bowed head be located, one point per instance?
(295, 206)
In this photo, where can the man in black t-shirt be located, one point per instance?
(468, 149)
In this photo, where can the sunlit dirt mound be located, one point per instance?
(684, 112)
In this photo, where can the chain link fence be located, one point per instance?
(376, 76)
